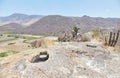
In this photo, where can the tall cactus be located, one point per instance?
(106, 43)
(113, 40)
(116, 38)
(110, 39)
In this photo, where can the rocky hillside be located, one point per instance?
(56, 23)
(53, 24)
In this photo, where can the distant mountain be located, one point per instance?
(23, 19)
(53, 24)
(50, 24)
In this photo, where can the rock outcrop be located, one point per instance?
(66, 60)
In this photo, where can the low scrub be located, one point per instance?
(27, 41)
(96, 33)
(1, 34)
(10, 39)
(11, 43)
(4, 54)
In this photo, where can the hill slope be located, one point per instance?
(53, 24)
(56, 23)
(11, 27)
(23, 19)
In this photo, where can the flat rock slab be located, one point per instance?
(69, 60)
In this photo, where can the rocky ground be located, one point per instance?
(66, 60)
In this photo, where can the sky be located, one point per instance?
(93, 8)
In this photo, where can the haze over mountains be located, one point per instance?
(22, 19)
(51, 24)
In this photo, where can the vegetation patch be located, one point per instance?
(10, 52)
(29, 38)
(1, 34)
(12, 35)
(8, 33)
(96, 33)
(11, 43)
(10, 39)
(25, 41)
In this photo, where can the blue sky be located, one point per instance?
(94, 8)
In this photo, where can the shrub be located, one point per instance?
(3, 54)
(95, 33)
(59, 39)
(10, 52)
(9, 35)
(16, 36)
(28, 45)
(25, 41)
(1, 34)
(11, 43)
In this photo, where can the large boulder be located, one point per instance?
(42, 56)
(34, 54)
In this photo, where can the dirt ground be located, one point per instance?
(17, 46)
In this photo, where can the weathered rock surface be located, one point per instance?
(66, 60)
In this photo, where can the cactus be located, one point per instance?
(116, 38)
(113, 40)
(106, 41)
(110, 39)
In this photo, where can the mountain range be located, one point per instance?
(18, 18)
(53, 24)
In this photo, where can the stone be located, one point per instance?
(43, 56)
